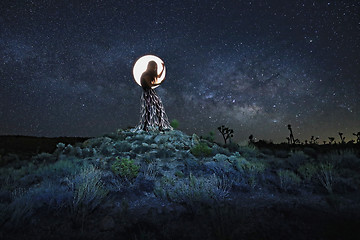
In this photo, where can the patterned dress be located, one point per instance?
(152, 113)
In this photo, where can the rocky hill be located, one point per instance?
(168, 185)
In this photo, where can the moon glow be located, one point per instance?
(140, 67)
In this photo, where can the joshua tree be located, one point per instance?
(251, 139)
(342, 138)
(290, 139)
(313, 140)
(226, 132)
(357, 135)
(331, 139)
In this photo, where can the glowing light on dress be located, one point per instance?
(140, 67)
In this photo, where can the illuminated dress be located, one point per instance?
(152, 111)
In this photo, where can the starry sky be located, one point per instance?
(254, 66)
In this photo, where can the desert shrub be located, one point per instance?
(88, 192)
(201, 150)
(267, 151)
(123, 146)
(307, 171)
(97, 142)
(20, 209)
(239, 163)
(193, 190)
(107, 147)
(69, 150)
(326, 176)
(143, 148)
(332, 157)
(251, 170)
(276, 163)
(281, 153)
(210, 137)
(150, 171)
(48, 193)
(253, 167)
(179, 174)
(87, 152)
(249, 151)
(60, 168)
(8, 158)
(310, 152)
(6, 178)
(125, 168)
(114, 184)
(60, 147)
(216, 150)
(51, 194)
(44, 157)
(9, 177)
(164, 153)
(287, 179)
(174, 123)
(4, 213)
(192, 164)
(233, 147)
(297, 158)
(350, 160)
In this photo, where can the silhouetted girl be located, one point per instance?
(152, 113)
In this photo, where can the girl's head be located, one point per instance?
(152, 66)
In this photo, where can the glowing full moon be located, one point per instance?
(140, 67)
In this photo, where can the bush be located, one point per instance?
(249, 151)
(346, 158)
(297, 158)
(326, 175)
(281, 153)
(239, 164)
(123, 146)
(60, 168)
(44, 157)
(175, 124)
(194, 190)
(164, 153)
(307, 171)
(151, 171)
(142, 148)
(287, 179)
(210, 137)
(88, 192)
(252, 170)
(125, 168)
(233, 147)
(53, 195)
(201, 150)
(21, 208)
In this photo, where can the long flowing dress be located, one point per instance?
(152, 113)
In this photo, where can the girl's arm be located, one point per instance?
(161, 71)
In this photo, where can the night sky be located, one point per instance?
(254, 66)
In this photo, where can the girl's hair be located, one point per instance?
(152, 68)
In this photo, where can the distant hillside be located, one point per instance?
(30, 145)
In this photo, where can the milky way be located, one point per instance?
(66, 67)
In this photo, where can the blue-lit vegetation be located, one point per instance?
(141, 185)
